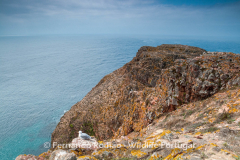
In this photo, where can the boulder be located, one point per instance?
(62, 155)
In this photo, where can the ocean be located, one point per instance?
(41, 77)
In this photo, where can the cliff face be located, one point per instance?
(156, 81)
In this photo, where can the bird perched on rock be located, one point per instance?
(84, 136)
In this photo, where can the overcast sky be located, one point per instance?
(162, 17)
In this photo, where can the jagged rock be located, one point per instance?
(102, 155)
(169, 136)
(26, 157)
(164, 152)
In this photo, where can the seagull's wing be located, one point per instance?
(85, 136)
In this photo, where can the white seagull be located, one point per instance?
(84, 136)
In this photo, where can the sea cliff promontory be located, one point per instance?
(166, 92)
(157, 80)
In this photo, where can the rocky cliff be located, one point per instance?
(157, 81)
(203, 130)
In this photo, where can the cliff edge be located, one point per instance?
(155, 82)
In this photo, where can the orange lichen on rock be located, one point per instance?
(138, 153)
(88, 157)
(155, 156)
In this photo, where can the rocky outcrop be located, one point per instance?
(155, 82)
(206, 129)
(27, 157)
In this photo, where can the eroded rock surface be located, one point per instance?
(193, 131)
(155, 82)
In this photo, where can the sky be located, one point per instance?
(157, 17)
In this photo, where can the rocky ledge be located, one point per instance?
(166, 94)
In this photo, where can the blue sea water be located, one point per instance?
(41, 77)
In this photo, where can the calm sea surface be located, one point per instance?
(41, 77)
